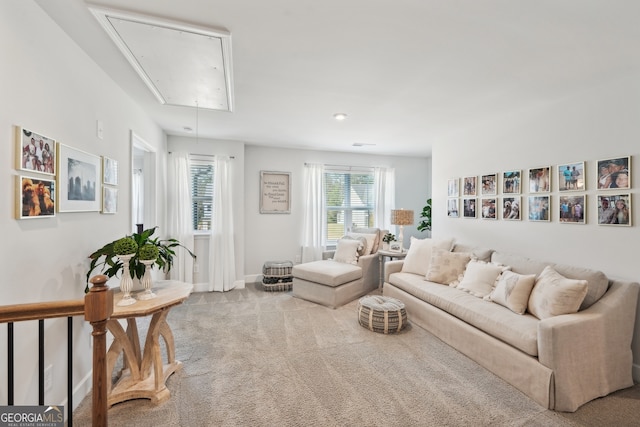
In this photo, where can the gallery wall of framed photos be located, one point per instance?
(57, 178)
(534, 194)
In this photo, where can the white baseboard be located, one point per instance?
(204, 287)
(635, 373)
(253, 278)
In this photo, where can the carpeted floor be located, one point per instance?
(255, 358)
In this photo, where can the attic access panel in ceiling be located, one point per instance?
(183, 65)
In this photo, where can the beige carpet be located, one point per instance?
(255, 358)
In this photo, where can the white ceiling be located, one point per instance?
(407, 72)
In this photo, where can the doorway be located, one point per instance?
(143, 184)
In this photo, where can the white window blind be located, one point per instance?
(349, 200)
(202, 193)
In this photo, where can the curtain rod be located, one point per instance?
(342, 166)
(203, 155)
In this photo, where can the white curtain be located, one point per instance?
(138, 196)
(222, 260)
(385, 196)
(179, 215)
(313, 227)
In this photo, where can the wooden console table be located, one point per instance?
(144, 373)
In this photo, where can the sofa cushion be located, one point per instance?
(597, 282)
(479, 278)
(445, 266)
(482, 254)
(553, 294)
(519, 263)
(419, 255)
(512, 291)
(347, 251)
(327, 272)
(497, 321)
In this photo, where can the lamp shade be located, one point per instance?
(401, 217)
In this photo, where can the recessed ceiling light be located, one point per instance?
(340, 116)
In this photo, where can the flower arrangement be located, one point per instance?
(142, 246)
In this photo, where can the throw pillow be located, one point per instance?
(445, 266)
(479, 278)
(347, 251)
(512, 291)
(371, 238)
(362, 249)
(419, 255)
(554, 294)
(371, 230)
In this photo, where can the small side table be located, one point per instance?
(391, 255)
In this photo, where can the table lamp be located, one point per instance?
(401, 217)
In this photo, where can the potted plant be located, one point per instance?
(425, 216)
(386, 239)
(106, 258)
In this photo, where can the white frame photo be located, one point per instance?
(76, 171)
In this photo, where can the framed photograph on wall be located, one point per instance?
(489, 184)
(572, 209)
(452, 208)
(35, 152)
(540, 180)
(109, 171)
(275, 192)
(453, 187)
(489, 208)
(539, 208)
(511, 208)
(35, 198)
(614, 173)
(469, 184)
(571, 177)
(511, 182)
(469, 208)
(109, 200)
(614, 209)
(78, 181)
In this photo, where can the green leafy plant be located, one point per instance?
(425, 217)
(388, 238)
(107, 262)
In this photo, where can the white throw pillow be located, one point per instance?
(371, 238)
(419, 255)
(362, 249)
(347, 251)
(553, 294)
(512, 291)
(445, 266)
(479, 278)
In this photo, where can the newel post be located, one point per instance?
(98, 308)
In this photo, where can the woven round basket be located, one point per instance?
(382, 314)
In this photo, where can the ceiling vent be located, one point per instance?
(182, 64)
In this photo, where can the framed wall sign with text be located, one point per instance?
(275, 192)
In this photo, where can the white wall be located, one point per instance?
(275, 237)
(49, 85)
(597, 124)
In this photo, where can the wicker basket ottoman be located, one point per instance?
(382, 314)
(276, 276)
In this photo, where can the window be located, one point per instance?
(202, 194)
(348, 200)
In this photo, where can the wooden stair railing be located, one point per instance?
(97, 307)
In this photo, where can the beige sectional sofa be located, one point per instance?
(560, 361)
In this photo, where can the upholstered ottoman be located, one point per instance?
(382, 314)
(328, 282)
